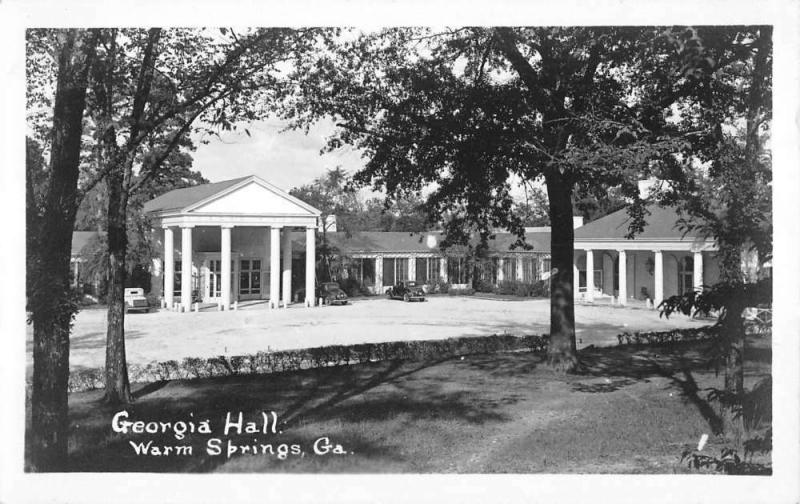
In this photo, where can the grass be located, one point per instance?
(629, 411)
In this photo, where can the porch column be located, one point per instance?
(169, 268)
(379, 274)
(225, 270)
(658, 295)
(698, 271)
(412, 267)
(274, 266)
(287, 267)
(443, 269)
(186, 267)
(623, 278)
(576, 279)
(311, 254)
(589, 275)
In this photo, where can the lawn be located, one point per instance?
(631, 410)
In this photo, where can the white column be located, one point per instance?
(225, 270)
(412, 268)
(379, 275)
(500, 273)
(576, 279)
(311, 254)
(623, 278)
(589, 275)
(443, 269)
(169, 268)
(658, 295)
(274, 265)
(520, 268)
(186, 267)
(698, 271)
(287, 267)
(157, 279)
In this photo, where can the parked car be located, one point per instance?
(135, 300)
(407, 291)
(331, 293)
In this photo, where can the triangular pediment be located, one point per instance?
(252, 196)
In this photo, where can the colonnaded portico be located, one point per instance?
(659, 262)
(235, 240)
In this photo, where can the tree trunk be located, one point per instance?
(118, 389)
(734, 334)
(561, 353)
(52, 306)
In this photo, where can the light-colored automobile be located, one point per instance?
(135, 300)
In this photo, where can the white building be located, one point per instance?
(228, 241)
(659, 262)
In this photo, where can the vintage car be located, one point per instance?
(135, 300)
(407, 291)
(331, 293)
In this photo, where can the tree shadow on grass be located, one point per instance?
(635, 364)
(374, 395)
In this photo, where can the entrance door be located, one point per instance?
(250, 278)
(215, 278)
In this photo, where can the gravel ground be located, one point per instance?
(160, 336)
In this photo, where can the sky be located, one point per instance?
(287, 159)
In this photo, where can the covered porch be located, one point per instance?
(660, 262)
(231, 241)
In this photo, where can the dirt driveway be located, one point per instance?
(161, 336)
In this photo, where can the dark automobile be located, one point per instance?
(407, 291)
(331, 293)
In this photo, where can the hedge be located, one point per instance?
(668, 337)
(266, 362)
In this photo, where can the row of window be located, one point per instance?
(459, 270)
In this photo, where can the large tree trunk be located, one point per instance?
(561, 352)
(117, 385)
(51, 300)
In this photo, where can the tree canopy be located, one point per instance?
(469, 111)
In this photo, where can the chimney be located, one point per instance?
(330, 223)
(646, 186)
(577, 221)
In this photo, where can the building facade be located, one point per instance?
(245, 239)
(230, 241)
(659, 262)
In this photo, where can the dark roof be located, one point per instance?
(181, 198)
(80, 239)
(661, 225)
(407, 242)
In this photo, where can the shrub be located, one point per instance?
(667, 337)
(460, 291)
(265, 362)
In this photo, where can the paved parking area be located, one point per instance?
(160, 336)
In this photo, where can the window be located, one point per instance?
(509, 269)
(529, 271)
(363, 270)
(178, 281)
(457, 271)
(395, 269)
(249, 276)
(428, 269)
(686, 274)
